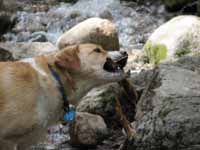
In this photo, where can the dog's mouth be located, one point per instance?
(115, 66)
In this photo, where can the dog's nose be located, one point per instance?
(124, 53)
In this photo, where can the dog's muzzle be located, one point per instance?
(116, 61)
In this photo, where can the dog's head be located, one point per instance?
(92, 61)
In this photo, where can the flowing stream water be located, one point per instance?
(134, 22)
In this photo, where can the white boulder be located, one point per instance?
(177, 37)
(93, 30)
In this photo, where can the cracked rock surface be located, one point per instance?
(168, 115)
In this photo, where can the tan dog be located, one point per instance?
(30, 98)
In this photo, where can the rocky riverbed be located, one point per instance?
(46, 21)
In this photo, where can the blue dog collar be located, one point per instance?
(71, 114)
(69, 110)
(60, 88)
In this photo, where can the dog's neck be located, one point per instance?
(76, 85)
(82, 86)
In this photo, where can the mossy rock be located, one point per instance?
(182, 52)
(176, 38)
(155, 53)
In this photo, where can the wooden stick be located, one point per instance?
(133, 97)
(124, 121)
(130, 91)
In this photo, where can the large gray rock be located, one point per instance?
(28, 49)
(93, 30)
(174, 39)
(87, 130)
(102, 101)
(168, 114)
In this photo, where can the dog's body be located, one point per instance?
(29, 96)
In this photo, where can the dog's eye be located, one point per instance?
(97, 50)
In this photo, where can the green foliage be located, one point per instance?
(180, 53)
(155, 53)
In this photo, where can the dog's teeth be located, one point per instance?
(118, 68)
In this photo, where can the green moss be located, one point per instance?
(155, 53)
(183, 52)
(108, 97)
(165, 111)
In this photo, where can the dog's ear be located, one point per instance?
(68, 58)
